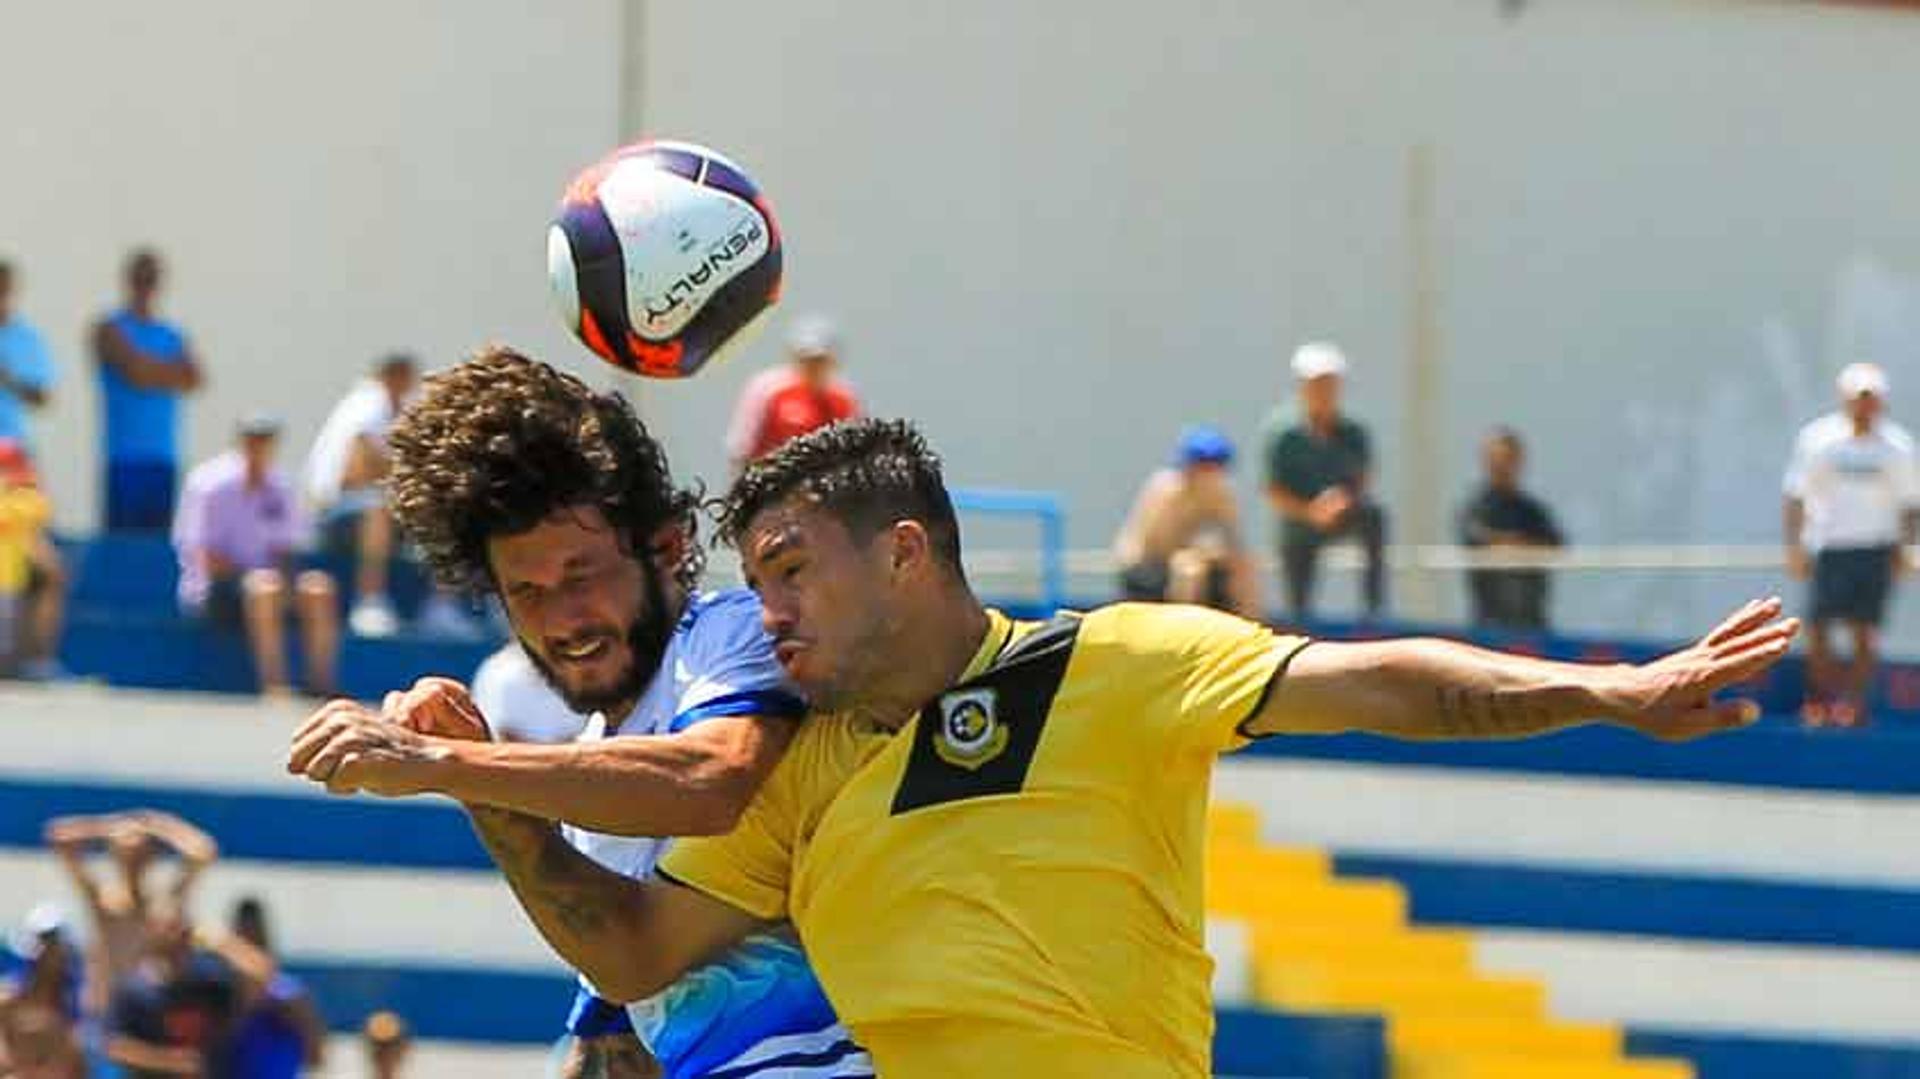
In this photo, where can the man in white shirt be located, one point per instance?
(1852, 512)
(346, 470)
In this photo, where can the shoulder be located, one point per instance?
(1897, 436)
(211, 474)
(1351, 430)
(507, 664)
(766, 383)
(1821, 430)
(1127, 632)
(721, 621)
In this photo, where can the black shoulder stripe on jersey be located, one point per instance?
(1023, 682)
(1244, 728)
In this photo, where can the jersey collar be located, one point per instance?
(999, 633)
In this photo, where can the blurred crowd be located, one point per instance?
(144, 987)
(1850, 520)
(296, 564)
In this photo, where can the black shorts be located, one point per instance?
(1850, 584)
(1144, 582)
(223, 609)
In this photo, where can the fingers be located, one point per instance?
(1782, 630)
(315, 732)
(1752, 614)
(1711, 718)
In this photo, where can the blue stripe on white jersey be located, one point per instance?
(759, 1010)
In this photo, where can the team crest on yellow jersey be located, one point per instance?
(970, 733)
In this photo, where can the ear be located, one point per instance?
(910, 549)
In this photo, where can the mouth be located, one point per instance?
(785, 651)
(584, 650)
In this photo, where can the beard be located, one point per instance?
(646, 636)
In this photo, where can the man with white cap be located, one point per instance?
(1319, 463)
(1852, 510)
(785, 402)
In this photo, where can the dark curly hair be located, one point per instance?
(866, 473)
(497, 444)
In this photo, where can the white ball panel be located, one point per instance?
(679, 241)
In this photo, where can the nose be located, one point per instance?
(776, 616)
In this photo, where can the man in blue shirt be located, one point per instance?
(26, 371)
(145, 367)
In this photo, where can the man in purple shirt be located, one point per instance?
(235, 532)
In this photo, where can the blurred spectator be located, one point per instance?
(23, 520)
(1499, 515)
(1319, 465)
(33, 606)
(1182, 542)
(388, 1043)
(26, 370)
(788, 401)
(122, 909)
(145, 365)
(40, 972)
(282, 1033)
(346, 470)
(175, 1012)
(43, 965)
(519, 704)
(36, 1042)
(235, 536)
(1852, 512)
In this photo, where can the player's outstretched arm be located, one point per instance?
(631, 938)
(1433, 689)
(432, 739)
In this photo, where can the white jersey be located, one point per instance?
(518, 703)
(758, 1011)
(1855, 487)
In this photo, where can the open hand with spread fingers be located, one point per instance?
(1672, 698)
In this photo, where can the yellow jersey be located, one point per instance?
(1010, 885)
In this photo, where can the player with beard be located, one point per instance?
(515, 478)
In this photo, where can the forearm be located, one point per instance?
(1792, 522)
(592, 917)
(1434, 689)
(149, 1057)
(1909, 528)
(658, 786)
(1286, 503)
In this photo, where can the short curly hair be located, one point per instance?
(499, 443)
(867, 473)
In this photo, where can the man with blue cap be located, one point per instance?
(1181, 543)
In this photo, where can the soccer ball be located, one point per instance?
(664, 256)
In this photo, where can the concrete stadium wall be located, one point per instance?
(1057, 232)
(329, 182)
(1648, 230)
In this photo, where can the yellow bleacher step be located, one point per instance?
(1307, 902)
(1414, 948)
(1502, 1066)
(1392, 990)
(1440, 1035)
(1256, 860)
(1234, 821)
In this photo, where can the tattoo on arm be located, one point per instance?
(565, 892)
(1484, 713)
